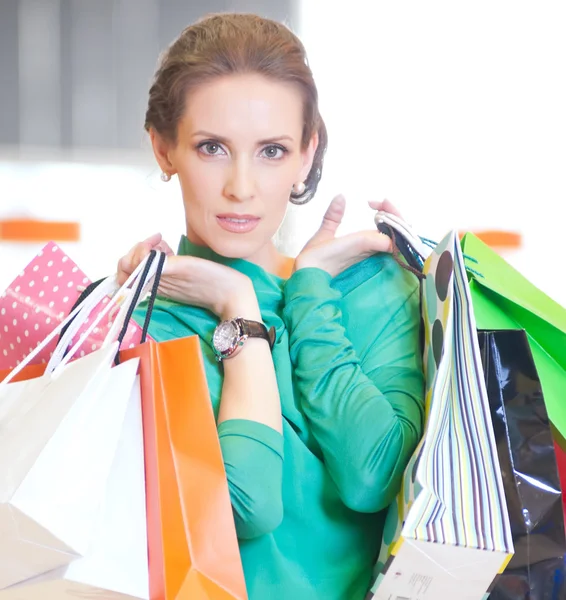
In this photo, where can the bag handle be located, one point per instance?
(153, 295)
(405, 231)
(132, 297)
(138, 296)
(104, 288)
(96, 296)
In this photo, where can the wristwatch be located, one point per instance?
(229, 336)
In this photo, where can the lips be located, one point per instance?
(235, 223)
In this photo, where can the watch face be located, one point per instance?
(225, 336)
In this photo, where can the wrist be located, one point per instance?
(310, 262)
(240, 301)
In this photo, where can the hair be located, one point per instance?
(227, 44)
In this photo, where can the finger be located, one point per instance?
(361, 244)
(373, 241)
(140, 253)
(128, 263)
(165, 248)
(124, 270)
(331, 221)
(334, 214)
(385, 206)
(364, 243)
(153, 240)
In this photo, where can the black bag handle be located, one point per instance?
(153, 295)
(151, 303)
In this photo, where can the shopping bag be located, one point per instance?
(74, 498)
(528, 465)
(38, 300)
(448, 534)
(113, 561)
(193, 549)
(56, 429)
(504, 299)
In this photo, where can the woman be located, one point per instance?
(316, 431)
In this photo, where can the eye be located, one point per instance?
(274, 152)
(210, 148)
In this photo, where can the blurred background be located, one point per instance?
(453, 111)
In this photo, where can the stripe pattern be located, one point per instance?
(452, 491)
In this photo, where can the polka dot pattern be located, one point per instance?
(437, 306)
(38, 300)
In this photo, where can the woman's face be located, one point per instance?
(237, 157)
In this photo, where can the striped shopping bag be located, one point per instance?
(448, 534)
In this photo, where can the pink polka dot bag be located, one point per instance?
(39, 299)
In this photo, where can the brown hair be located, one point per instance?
(226, 44)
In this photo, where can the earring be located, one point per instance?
(299, 188)
(165, 177)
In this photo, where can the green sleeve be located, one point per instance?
(253, 458)
(364, 403)
(252, 452)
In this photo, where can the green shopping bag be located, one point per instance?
(504, 299)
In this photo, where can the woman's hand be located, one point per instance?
(195, 281)
(334, 255)
(127, 264)
(385, 206)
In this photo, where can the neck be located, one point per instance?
(272, 261)
(268, 257)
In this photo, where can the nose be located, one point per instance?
(240, 184)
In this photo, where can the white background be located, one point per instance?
(454, 111)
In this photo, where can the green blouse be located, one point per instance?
(309, 504)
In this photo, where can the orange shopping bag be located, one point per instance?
(193, 549)
(29, 372)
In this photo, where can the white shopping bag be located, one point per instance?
(51, 435)
(59, 438)
(115, 566)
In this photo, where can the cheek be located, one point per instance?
(199, 178)
(275, 189)
(201, 185)
(276, 182)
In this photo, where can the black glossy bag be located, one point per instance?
(528, 465)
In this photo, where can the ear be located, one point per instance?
(308, 156)
(162, 149)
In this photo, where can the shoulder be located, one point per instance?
(378, 291)
(379, 301)
(380, 275)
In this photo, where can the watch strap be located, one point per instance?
(256, 329)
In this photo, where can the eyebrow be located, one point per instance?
(225, 140)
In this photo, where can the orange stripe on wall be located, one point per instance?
(30, 230)
(499, 239)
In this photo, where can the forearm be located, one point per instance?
(250, 438)
(253, 453)
(364, 403)
(250, 387)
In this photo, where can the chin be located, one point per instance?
(244, 246)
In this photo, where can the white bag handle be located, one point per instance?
(123, 296)
(107, 286)
(124, 309)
